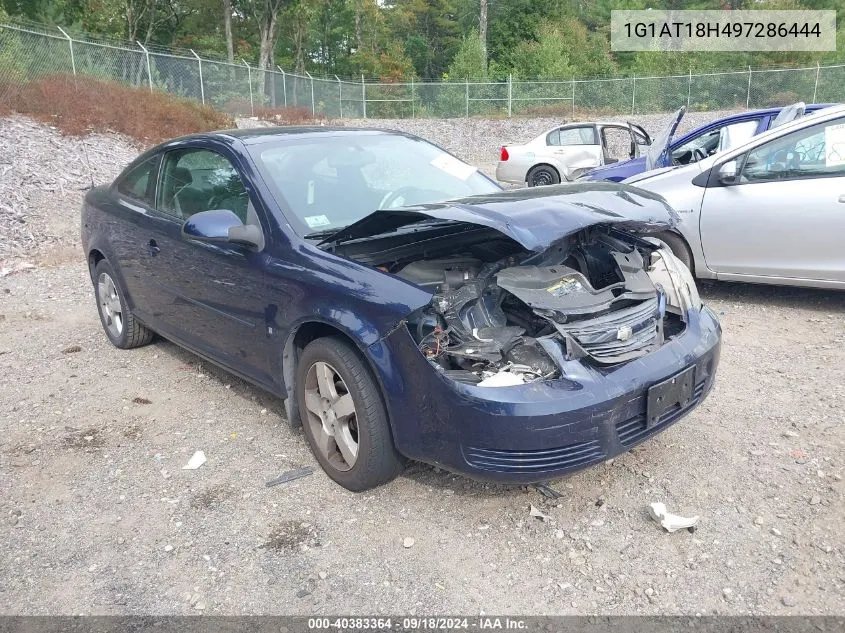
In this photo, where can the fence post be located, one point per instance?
(689, 88)
(633, 94)
(339, 95)
(149, 70)
(467, 106)
(413, 113)
(202, 87)
(313, 107)
(70, 43)
(748, 94)
(816, 85)
(284, 85)
(573, 97)
(249, 81)
(364, 96)
(510, 95)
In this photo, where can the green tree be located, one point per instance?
(469, 62)
(562, 50)
(429, 32)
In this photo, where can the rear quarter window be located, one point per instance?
(139, 183)
(573, 136)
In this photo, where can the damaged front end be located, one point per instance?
(521, 283)
(605, 296)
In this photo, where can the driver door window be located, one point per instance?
(814, 152)
(195, 180)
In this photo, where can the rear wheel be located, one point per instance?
(344, 417)
(542, 175)
(679, 248)
(119, 324)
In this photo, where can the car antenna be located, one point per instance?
(88, 162)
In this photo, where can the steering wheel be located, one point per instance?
(391, 199)
(778, 163)
(698, 154)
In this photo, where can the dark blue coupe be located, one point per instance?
(401, 304)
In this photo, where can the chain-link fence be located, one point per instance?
(30, 53)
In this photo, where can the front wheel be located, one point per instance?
(344, 417)
(542, 175)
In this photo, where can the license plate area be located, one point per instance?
(672, 393)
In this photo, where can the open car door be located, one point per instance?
(640, 140)
(660, 143)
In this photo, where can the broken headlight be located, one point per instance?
(676, 279)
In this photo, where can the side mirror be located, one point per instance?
(633, 151)
(222, 225)
(727, 173)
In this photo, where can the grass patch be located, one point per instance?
(81, 105)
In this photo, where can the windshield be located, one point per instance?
(330, 182)
(660, 142)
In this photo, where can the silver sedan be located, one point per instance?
(564, 153)
(769, 211)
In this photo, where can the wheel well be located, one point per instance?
(94, 258)
(677, 236)
(296, 342)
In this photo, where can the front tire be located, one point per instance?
(542, 175)
(679, 248)
(118, 321)
(344, 417)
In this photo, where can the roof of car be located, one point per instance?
(251, 136)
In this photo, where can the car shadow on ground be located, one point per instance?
(421, 474)
(775, 296)
(417, 473)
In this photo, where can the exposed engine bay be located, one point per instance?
(526, 282)
(602, 295)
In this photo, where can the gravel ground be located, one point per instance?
(99, 516)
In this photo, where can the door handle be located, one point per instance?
(842, 198)
(152, 248)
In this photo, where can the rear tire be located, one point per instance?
(118, 321)
(344, 417)
(542, 175)
(679, 248)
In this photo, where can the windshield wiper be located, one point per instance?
(319, 235)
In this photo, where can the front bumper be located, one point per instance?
(538, 431)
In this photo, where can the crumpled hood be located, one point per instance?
(534, 217)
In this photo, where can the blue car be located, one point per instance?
(704, 141)
(401, 304)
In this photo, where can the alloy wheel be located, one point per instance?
(110, 307)
(330, 413)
